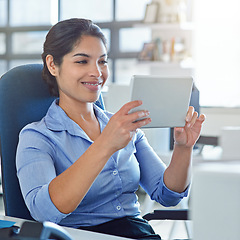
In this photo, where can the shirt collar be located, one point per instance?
(57, 120)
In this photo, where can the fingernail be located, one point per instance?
(143, 114)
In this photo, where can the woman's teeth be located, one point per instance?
(93, 84)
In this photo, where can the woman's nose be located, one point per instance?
(96, 71)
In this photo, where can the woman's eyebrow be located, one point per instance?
(104, 55)
(86, 55)
(81, 54)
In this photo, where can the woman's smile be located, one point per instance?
(93, 86)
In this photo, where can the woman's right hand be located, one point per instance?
(123, 125)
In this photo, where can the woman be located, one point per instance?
(81, 166)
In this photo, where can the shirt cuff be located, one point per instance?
(46, 210)
(172, 198)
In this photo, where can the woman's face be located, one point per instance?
(83, 71)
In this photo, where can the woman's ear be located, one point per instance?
(52, 68)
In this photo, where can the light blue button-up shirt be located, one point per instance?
(49, 147)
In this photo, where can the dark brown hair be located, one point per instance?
(61, 40)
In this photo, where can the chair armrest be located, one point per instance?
(174, 214)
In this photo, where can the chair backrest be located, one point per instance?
(24, 98)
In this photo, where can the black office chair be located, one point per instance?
(24, 98)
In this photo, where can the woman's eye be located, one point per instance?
(104, 62)
(82, 62)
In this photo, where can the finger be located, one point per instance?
(139, 115)
(189, 114)
(138, 124)
(193, 120)
(130, 105)
(202, 118)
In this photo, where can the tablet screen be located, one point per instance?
(166, 98)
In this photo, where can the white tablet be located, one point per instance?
(166, 98)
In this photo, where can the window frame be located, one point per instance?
(114, 27)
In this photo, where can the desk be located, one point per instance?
(76, 234)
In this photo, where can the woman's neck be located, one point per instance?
(78, 111)
(82, 114)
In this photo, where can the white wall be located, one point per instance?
(217, 51)
(216, 118)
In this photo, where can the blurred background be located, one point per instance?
(201, 37)
(161, 37)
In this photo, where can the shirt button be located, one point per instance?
(115, 172)
(118, 208)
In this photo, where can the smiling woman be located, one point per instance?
(80, 166)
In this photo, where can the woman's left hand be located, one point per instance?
(188, 135)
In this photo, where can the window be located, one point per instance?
(30, 13)
(107, 34)
(87, 9)
(22, 33)
(3, 13)
(28, 42)
(2, 43)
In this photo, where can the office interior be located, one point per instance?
(150, 37)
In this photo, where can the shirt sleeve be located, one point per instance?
(35, 170)
(152, 169)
